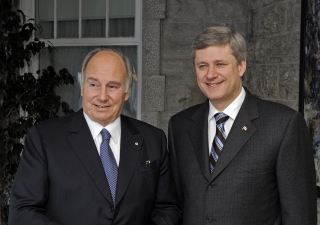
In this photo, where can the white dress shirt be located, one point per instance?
(232, 111)
(114, 129)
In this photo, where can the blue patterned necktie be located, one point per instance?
(109, 162)
(219, 139)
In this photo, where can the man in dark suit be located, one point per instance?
(237, 159)
(61, 178)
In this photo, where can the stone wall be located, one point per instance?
(274, 46)
(153, 92)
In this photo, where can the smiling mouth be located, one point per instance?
(101, 107)
(214, 85)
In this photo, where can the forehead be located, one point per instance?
(106, 62)
(214, 53)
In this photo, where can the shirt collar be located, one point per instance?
(114, 128)
(232, 110)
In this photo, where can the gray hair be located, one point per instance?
(129, 67)
(221, 36)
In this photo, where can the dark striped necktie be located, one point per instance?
(219, 139)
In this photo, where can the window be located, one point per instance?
(76, 27)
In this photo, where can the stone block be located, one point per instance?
(289, 45)
(174, 77)
(180, 68)
(150, 118)
(153, 93)
(172, 66)
(189, 10)
(151, 46)
(264, 82)
(177, 46)
(269, 21)
(188, 67)
(243, 27)
(295, 2)
(231, 9)
(278, 49)
(293, 16)
(289, 82)
(155, 9)
(182, 94)
(186, 28)
(258, 4)
(250, 53)
(239, 24)
(189, 1)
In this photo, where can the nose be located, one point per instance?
(103, 94)
(211, 72)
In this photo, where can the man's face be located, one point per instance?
(104, 87)
(219, 75)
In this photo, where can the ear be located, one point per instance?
(127, 95)
(242, 66)
(82, 92)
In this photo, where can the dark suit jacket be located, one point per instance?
(265, 174)
(60, 179)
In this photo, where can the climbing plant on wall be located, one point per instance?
(25, 98)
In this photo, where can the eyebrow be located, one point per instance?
(91, 78)
(114, 82)
(209, 61)
(111, 82)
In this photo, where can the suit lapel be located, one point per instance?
(198, 133)
(131, 144)
(81, 141)
(241, 131)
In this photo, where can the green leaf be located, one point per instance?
(36, 97)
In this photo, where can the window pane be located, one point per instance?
(67, 18)
(121, 18)
(44, 17)
(71, 58)
(94, 18)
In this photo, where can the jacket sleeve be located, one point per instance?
(174, 165)
(30, 187)
(296, 175)
(166, 209)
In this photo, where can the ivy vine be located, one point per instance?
(25, 99)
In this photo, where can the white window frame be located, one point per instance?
(28, 7)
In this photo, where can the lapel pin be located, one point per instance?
(244, 128)
(147, 162)
(136, 143)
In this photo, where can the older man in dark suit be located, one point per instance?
(62, 180)
(237, 159)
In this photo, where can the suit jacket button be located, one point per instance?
(208, 219)
(211, 185)
(111, 209)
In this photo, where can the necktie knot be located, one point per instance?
(105, 134)
(221, 118)
(219, 139)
